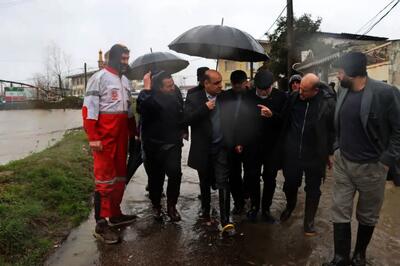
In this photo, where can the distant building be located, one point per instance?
(383, 57)
(226, 67)
(77, 81)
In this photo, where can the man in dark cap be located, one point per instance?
(268, 103)
(160, 105)
(368, 131)
(308, 136)
(294, 83)
(108, 121)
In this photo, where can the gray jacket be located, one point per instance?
(380, 117)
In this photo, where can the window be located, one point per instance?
(229, 65)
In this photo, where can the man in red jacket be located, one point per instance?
(109, 122)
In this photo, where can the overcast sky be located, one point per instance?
(82, 27)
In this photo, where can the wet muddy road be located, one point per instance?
(190, 242)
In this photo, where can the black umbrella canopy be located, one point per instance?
(154, 62)
(219, 42)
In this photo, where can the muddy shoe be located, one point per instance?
(105, 233)
(286, 214)
(173, 214)
(237, 210)
(122, 220)
(158, 214)
(268, 218)
(252, 215)
(205, 214)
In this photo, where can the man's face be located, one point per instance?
(345, 81)
(214, 85)
(307, 90)
(124, 62)
(295, 86)
(241, 86)
(263, 93)
(168, 86)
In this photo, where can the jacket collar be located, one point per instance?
(366, 101)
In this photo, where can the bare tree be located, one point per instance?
(57, 64)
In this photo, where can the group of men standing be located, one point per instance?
(241, 134)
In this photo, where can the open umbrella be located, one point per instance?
(156, 61)
(219, 42)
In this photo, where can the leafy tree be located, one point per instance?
(304, 28)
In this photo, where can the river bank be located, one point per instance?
(69, 102)
(42, 197)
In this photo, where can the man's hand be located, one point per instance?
(385, 166)
(239, 149)
(265, 111)
(210, 104)
(147, 81)
(330, 162)
(95, 145)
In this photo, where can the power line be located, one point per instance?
(387, 13)
(373, 18)
(280, 14)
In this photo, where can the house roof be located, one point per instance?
(350, 36)
(82, 74)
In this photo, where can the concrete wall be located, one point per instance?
(394, 68)
(379, 71)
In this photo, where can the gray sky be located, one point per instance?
(82, 27)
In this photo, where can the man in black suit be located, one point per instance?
(207, 153)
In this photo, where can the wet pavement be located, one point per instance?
(190, 242)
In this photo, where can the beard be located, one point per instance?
(346, 83)
(124, 68)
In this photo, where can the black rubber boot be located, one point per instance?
(224, 205)
(310, 210)
(342, 241)
(224, 210)
(291, 201)
(364, 235)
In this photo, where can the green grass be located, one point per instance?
(42, 197)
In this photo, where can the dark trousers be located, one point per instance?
(216, 175)
(293, 170)
(158, 163)
(269, 174)
(257, 163)
(134, 158)
(206, 178)
(236, 181)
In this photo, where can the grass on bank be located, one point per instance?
(42, 197)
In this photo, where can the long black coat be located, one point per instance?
(197, 116)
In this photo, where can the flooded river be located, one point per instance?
(23, 132)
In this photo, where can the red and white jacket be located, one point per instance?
(107, 93)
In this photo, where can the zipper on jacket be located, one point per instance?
(122, 95)
(302, 130)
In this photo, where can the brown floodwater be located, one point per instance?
(23, 132)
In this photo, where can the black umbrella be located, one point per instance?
(219, 42)
(154, 62)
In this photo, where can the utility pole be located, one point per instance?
(289, 37)
(85, 68)
(60, 85)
